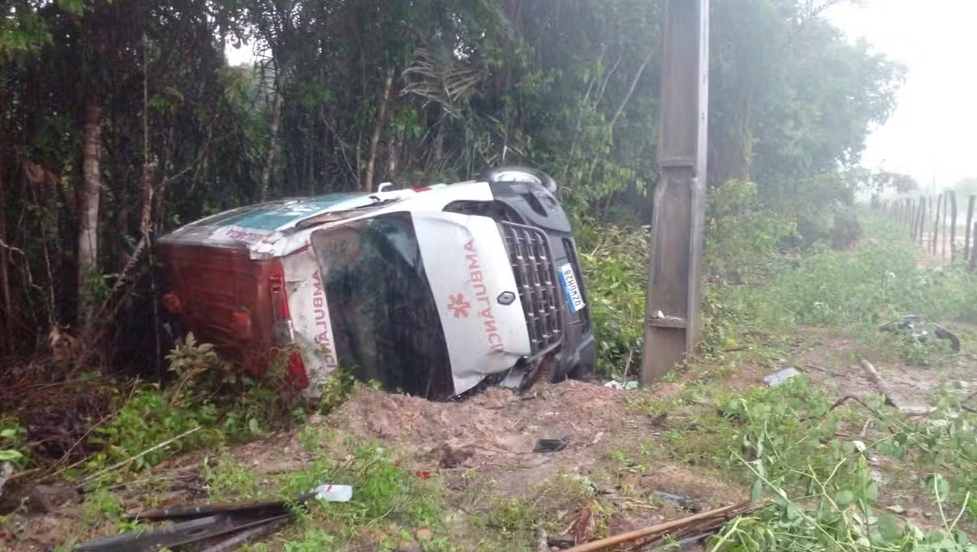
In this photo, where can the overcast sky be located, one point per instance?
(931, 134)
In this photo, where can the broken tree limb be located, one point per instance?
(712, 520)
(847, 398)
(880, 383)
(825, 370)
(886, 391)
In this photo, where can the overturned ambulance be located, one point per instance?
(431, 291)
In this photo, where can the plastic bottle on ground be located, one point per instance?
(334, 493)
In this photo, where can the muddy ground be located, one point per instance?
(483, 447)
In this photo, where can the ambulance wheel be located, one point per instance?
(581, 372)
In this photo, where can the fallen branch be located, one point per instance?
(81, 484)
(825, 370)
(886, 391)
(880, 383)
(706, 522)
(847, 398)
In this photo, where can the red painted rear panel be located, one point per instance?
(225, 300)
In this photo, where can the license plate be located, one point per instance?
(570, 288)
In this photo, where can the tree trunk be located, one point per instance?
(620, 110)
(274, 124)
(392, 157)
(377, 131)
(7, 305)
(88, 201)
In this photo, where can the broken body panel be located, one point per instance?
(398, 286)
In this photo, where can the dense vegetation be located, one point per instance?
(120, 120)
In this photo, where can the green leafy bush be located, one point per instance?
(741, 236)
(12, 442)
(209, 393)
(147, 418)
(878, 282)
(615, 266)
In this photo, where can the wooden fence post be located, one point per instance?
(966, 228)
(946, 207)
(913, 212)
(953, 224)
(973, 253)
(921, 223)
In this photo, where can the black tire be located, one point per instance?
(511, 174)
(581, 372)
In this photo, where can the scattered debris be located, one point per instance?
(240, 522)
(454, 456)
(542, 542)
(628, 385)
(583, 527)
(6, 471)
(561, 544)
(921, 330)
(780, 376)
(825, 370)
(334, 493)
(684, 502)
(47, 498)
(550, 445)
(247, 536)
(698, 525)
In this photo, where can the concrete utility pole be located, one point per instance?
(674, 285)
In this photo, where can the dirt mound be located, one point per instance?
(496, 422)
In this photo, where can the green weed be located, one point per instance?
(225, 477)
(541, 506)
(209, 394)
(838, 517)
(615, 266)
(13, 442)
(387, 499)
(101, 505)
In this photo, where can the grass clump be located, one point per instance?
(542, 506)
(388, 501)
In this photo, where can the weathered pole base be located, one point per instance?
(674, 288)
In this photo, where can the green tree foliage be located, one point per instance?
(345, 95)
(881, 183)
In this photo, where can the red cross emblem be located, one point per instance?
(458, 306)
